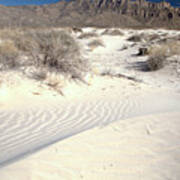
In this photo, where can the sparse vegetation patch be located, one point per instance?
(8, 54)
(96, 43)
(88, 35)
(114, 32)
(51, 50)
(160, 53)
(135, 38)
(156, 62)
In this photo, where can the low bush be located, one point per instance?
(160, 53)
(169, 48)
(156, 62)
(8, 55)
(114, 32)
(87, 35)
(95, 43)
(53, 50)
(135, 38)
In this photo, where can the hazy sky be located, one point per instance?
(23, 2)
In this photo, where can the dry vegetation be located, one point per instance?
(149, 37)
(155, 62)
(135, 38)
(114, 32)
(160, 53)
(96, 43)
(51, 50)
(167, 49)
(88, 35)
(8, 54)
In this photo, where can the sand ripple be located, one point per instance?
(27, 130)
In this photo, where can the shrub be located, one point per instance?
(88, 35)
(160, 53)
(135, 38)
(8, 47)
(157, 57)
(114, 32)
(76, 30)
(150, 37)
(153, 37)
(55, 50)
(174, 47)
(156, 62)
(50, 50)
(8, 55)
(170, 48)
(95, 43)
(8, 33)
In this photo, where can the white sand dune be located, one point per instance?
(27, 129)
(142, 142)
(140, 148)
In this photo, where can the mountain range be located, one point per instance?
(99, 13)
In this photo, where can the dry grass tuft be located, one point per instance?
(8, 47)
(8, 54)
(150, 37)
(76, 30)
(96, 43)
(158, 50)
(53, 50)
(160, 53)
(167, 49)
(153, 37)
(157, 57)
(156, 62)
(8, 33)
(114, 32)
(87, 35)
(135, 38)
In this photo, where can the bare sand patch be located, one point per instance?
(138, 148)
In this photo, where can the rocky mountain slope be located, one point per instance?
(101, 13)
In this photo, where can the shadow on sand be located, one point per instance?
(139, 66)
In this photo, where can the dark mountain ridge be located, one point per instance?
(99, 13)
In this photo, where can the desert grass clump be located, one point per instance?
(8, 47)
(51, 50)
(170, 48)
(150, 37)
(158, 50)
(77, 29)
(8, 55)
(114, 32)
(9, 34)
(156, 62)
(87, 35)
(160, 53)
(174, 47)
(153, 37)
(157, 57)
(96, 43)
(135, 38)
(54, 50)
